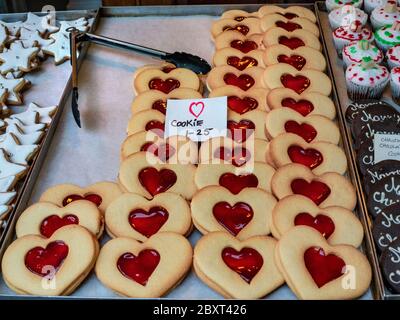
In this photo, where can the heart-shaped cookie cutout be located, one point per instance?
(156, 79)
(51, 266)
(246, 27)
(307, 103)
(45, 218)
(283, 75)
(242, 102)
(237, 269)
(292, 39)
(227, 75)
(310, 128)
(147, 120)
(174, 149)
(290, 12)
(244, 215)
(313, 269)
(321, 157)
(338, 225)
(300, 58)
(138, 270)
(100, 193)
(134, 216)
(328, 189)
(233, 178)
(157, 100)
(243, 126)
(277, 20)
(237, 59)
(142, 173)
(236, 40)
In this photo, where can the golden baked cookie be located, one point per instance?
(227, 75)
(276, 20)
(289, 12)
(237, 59)
(146, 120)
(233, 39)
(246, 27)
(293, 40)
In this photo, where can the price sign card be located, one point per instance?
(386, 147)
(197, 119)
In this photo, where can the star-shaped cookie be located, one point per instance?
(13, 28)
(3, 36)
(59, 49)
(7, 168)
(45, 113)
(6, 184)
(17, 58)
(4, 211)
(12, 88)
(24, 139)
(39, 23)
(81, 24)
(7, 197)
(27, 117)
(32, 38)
(17, 153)
(25, 128)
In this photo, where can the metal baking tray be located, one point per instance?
(343, 101)
(105, 95)
(61, 88)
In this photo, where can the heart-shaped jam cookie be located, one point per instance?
(241, 127)
(142, 173)
(307, 103)
(238, 15)
(245, 27)
(227, 75)
(321, 157)
(51, 266)
(277, 20)
(283, 75)
(338, 225)
(174, 149)
(134, 216)
(311, 128)
(165, 67)
(147, 120)
(290, 12)
(246, 214)
(135, 269)
(45, 218)
(291, 39)
(328, 189)
(236, 40)
(233, 178)
(156, 79)
(313, 269)
(237, 59)
(300, 58)
(100, 193)
(237, 269)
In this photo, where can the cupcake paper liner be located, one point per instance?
(395, 91)
(392, 64)
(359, 92)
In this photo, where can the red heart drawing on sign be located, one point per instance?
(196, 108)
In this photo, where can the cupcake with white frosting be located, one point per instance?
(356, 51)
(343, 36)
(388, 36)
(334, 4)
(385, 15)
(393, 57)
(395, 84)
(345, 15)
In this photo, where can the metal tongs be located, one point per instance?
(179, 59)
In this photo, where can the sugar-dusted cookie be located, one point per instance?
(289, 12)
(238, 15)
(237, 269)
(236, 40)
(17, 58)
(310, 128)
(233, 178)
(32, 264)
(7, 198)
(45, 113)
(13, 28)
(7, 183)
(156, 79)
(328, 189)
(134, 216)
(313, 269)
(17, 153)
(45, 218)
(27, 117)
(4, 211)
(142, 173)
(250, 121)
(306, 103)
(283, 75)
(228, 75)
(244, 215)
(320, 157)
(23, 138)
(220, 150)
(59, 49)
(338, 225)
(139, 270)
(82, 24)
(277, 20)
(239, 60)
(157, 100)
(240, 101)
(300, 58)
(42, 24)
(7, 168)
(146, 120)
(12, 88)
(293, 40)
(174, 149)
(25, 128)
(100, 193)
(246, 27)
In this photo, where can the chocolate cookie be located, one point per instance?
(379, 171)
(386, 226)
(365, 156)
(390, 264)
(354, 108)
(369, 129)
(383, 194)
